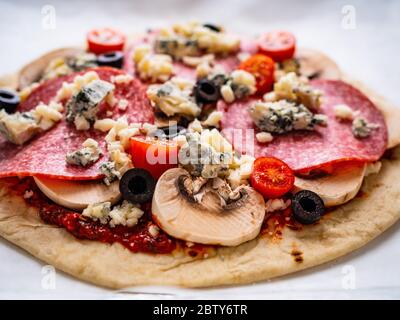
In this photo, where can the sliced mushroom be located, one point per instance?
(33, 71)
(182, 215)
(337, 188)
(316, 65)
(77, 195)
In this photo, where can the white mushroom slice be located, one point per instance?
(77, 195)
(316, 65)
(337, 188)
(179, 214)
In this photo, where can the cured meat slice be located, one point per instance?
(306, 150)
(45, 154)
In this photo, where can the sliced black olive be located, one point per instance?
(206, 91)
(137, 185)
(212, 27)
(112, 59)
(169, 132)
(9, 100)
(307, 207)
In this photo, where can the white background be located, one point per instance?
(370, 52)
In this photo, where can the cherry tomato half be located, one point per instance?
(271, 177)
(262, 68)
(279, 45)
(105, 40)
(156, 156)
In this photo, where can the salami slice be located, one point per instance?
(45, 154)
(306, 150)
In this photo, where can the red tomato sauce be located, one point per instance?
(136, 239)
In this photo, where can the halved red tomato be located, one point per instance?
(262, 68)
(279, 45)
(154, 155)
(271, 177)
(105, 40)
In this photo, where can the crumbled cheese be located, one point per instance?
(343, 112)
(85, 104)
(81, 123)
(152, 67)
(70, 89)
(122, 79)
(121, 160)
(174, 97)
(240, 171)
(21, 127)
(111, 100)
(287, 66)
(243, 83)
(123, 104)
(276, 204)
(110, 172)
(104, 125)
(18, 127)
(284, 116)
(213, 119)
(203, 70)
(125, 134)
(195, 61)
(25, 92)
(154, 230)
(98, 212)
(215, 139)
(180, 140)
(148, 128)
(195, 126)
(126, 214)
(85, 156)
(192, 39)
(295, 89)
(264, 137)
(47, 115)
(361, 128)
(270, 97)
(207, 154)
(227, 93)
(57, 67)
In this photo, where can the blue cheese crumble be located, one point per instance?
(85, 156)
(206, 155)
(20, 127)
(83, 107)
(125, 214)
(361, 128)
(283, 116)
(174, 97)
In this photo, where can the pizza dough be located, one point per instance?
(343, 230)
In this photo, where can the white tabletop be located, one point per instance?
(367, 48)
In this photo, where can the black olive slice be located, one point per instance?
(205, 91)
(307, 207)
(9, 100)
(212, 27)
(112, 59)
(137, 186)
